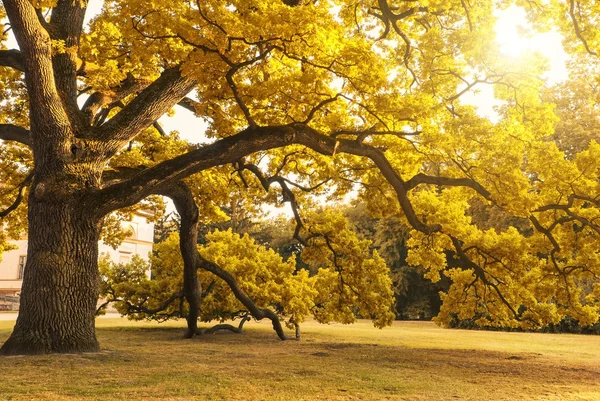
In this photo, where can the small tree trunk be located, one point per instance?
(188, 238)
(298, 334)
(60, 284)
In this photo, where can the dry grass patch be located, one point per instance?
(410, 361)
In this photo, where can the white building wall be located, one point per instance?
(139, 243)
(9, 267)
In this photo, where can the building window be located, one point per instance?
(130, 230)
(22, 261)
(124, 259)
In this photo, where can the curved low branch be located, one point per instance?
(131, 308)
(10, 132)
(230, 327)
(257, 313)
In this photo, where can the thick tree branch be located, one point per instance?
(66, 24)
(66, 20)
(233, 148)
(99, 99)
(446, 181)
(36, 50)
(145, 109)
(10, 132)
(225, 151)
(11, 58)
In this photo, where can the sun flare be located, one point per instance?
(510, 32)
(515, 39)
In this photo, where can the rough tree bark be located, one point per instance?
(60, 285)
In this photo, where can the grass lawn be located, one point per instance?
(409, 361)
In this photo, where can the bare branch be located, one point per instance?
(314, 110)
(578, 28)
(288, 195)
(233, 86)
(188, 104)
(20, 195)
(159, 128)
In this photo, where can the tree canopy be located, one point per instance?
(325, 99)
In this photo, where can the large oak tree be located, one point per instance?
(326, 96)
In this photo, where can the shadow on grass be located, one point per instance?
(158, 363)
(253, 343)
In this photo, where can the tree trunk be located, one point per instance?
(188, 238)
(60, 284)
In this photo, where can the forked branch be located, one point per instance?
(154, 101)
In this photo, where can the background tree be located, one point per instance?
(350, 283)
(416, 296)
